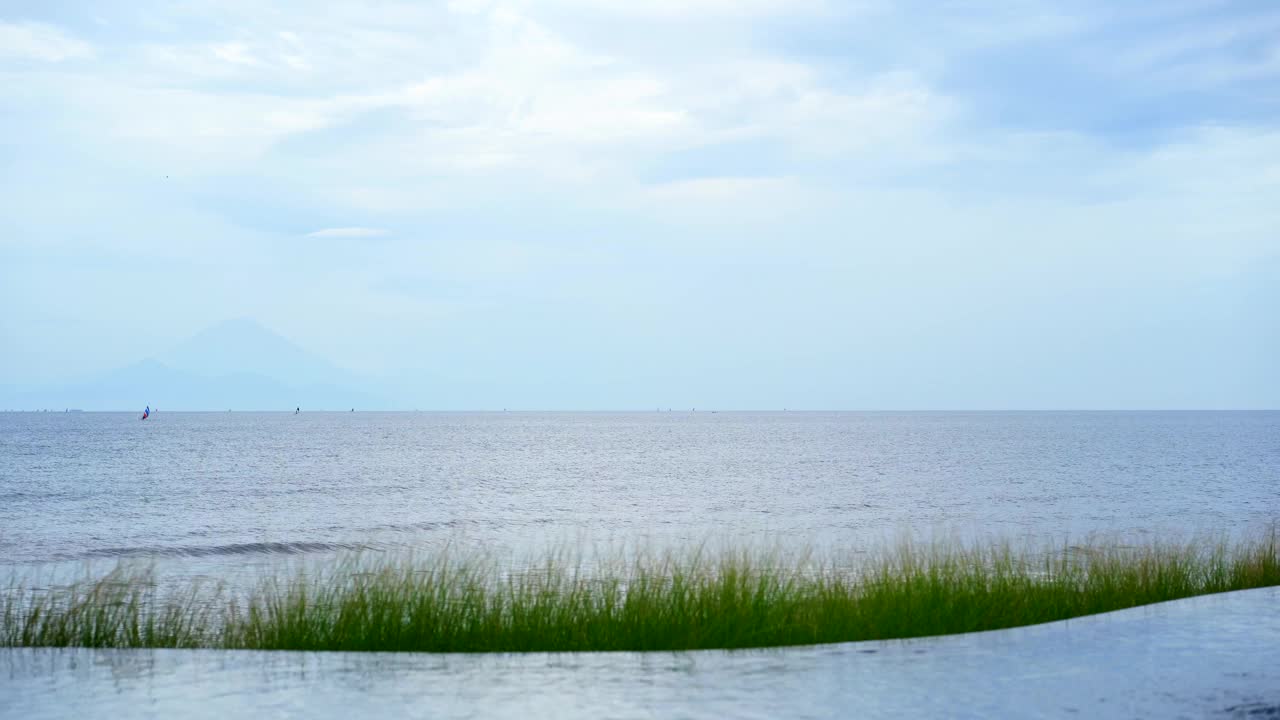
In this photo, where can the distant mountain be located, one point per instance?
(237, 365)
(243, 346)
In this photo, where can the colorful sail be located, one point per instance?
(146, 413)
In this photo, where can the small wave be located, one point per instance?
(425, 525)
(257, 548)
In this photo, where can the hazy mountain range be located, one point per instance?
(1213, 345)
(237, 364)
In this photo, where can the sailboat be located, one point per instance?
(146, 413)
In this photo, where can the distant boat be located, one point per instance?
(146, 413)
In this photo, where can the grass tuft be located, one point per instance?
(453, 602)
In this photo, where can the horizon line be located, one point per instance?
(16, 411)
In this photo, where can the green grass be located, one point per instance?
(454, 602)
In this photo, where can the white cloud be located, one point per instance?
(347, 232)
(517, 100)
(683, 10)
(234, 53)
(737, 203)
(453, 107)
(37, 41)
(700, 191)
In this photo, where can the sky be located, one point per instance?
(596, 204)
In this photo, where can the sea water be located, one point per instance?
(250, 488)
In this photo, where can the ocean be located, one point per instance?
(220, 491)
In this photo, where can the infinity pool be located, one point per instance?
(1215, 656)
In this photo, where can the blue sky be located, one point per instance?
(611, 204)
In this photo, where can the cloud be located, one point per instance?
(726, 196)
(347, 232)
(37, 41)
(234, 53)
(980, 144)
(682, 10)
(522, 99)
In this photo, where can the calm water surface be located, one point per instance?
(247, 487)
